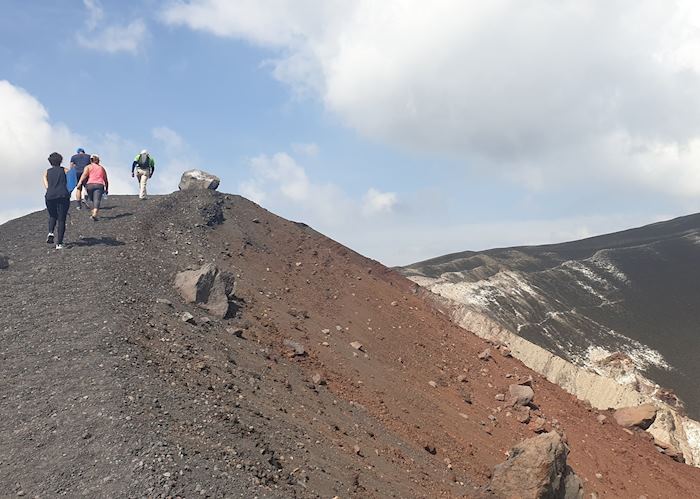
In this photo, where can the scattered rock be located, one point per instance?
(538, 425)
(297, 348)
(601, 418)
(433, 384)
(357, 346)
(430, 449)
(188, 318)
(163, 301)
(209, 288)
(505, 351)
(467, 397)
(523, 415)
(462, 378)
(198, 179)
(394, 303)
(500, 397)
(235, 331)
(670, 450)
(204, 320)
(318, 379)
(641, 416)
(4, 261)
(520, 394)
(485, 355)
(536, 468)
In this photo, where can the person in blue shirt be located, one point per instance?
(79, 161)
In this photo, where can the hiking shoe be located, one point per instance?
(94, 218)
(79, 207)
(59, 246)
(49, 238)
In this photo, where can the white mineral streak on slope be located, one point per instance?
(601, 392)
(512, 286)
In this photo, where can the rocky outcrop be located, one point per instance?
(603, 391)
(198, 179)
(641, 416)
(209, 288)
(536, 468)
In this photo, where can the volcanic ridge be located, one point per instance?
(321, 374)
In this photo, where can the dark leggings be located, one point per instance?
(95, 193)
(58, 209)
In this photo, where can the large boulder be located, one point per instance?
(536, 468)
(641, 416)
(4, 261)
(198, 179)
(520, 394)
(209, 288)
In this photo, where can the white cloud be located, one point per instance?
(283, 185)
(110, 38)
(541, 91)
(378, 202)
(27, 137)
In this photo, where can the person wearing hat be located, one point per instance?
(144, 165)
(94, 178)
(78, 162)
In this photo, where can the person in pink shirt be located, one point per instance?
(94, 177)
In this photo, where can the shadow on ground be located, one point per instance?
(98, 241)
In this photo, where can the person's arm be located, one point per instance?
(133, 167)
(153, 166)
(106, 183)
(45, 178)
(84, 176)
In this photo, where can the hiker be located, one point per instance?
(79, 161)
(144, 165)
(95, 179)
(57, 199)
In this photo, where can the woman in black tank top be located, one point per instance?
(57, 199)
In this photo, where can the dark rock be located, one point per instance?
(536, 468)
(198, 179)
(209, 288)
(4, 261)
(430, 449)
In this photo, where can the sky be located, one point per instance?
(404, 129)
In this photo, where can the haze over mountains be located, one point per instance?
(636, 292)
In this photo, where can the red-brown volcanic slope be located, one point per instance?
(223, 401)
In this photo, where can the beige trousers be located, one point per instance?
(142, 175)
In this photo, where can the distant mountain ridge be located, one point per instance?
(636, 291)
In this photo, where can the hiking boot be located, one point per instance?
(59, 246)
(49, 238)
(94, 218)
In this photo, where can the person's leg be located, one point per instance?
(96, 200)
(143, 178)
(62, 206)
(53, 216)
(79, 196)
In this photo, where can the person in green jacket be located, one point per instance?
(144, 165)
